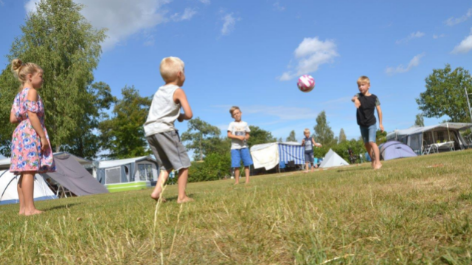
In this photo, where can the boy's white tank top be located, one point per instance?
(163, 112)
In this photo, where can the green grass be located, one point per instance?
(412, 211)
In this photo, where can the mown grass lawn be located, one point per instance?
(412, 211)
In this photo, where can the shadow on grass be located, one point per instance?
(174, 198)
(61, 207)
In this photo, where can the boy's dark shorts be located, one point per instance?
(168, 150)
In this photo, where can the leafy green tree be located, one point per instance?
(342, 136)
(419, 121)
(291, 137)
(280, 140)
(323, 133)
(259, 136)
(64, 44)
(123, 134)
(445, 94)
(203, 138)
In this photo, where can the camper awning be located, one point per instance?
(416, 130)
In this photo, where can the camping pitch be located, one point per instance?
(332, 159)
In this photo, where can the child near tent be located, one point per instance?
(308, 143)
(30, 148)
(366, 103)
(159, 128)
(238, 132)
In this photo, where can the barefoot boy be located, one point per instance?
(238, 131)
(308, 142)
(366, 103)
(159, 129)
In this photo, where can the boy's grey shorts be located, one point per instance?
(169, 151)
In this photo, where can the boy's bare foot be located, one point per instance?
(378, 166)
(34, 212)
(185, 199)
(236, 183)
(157, 198)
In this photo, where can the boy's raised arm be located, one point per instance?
(180, 97)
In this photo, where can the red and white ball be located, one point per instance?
(306, 83)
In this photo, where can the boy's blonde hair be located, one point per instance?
(306, 130)
(21, 70)
(363, 79)
(170, 67)
(232, 109)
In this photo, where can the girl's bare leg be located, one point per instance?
(27, 186)
(20, 197)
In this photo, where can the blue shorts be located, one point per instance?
(309, 156)
(240, 154)
(368, 133)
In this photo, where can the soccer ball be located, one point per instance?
(306, 83)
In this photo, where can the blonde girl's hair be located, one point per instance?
(306, 130)
(363, 79)
(232, 109)
(170, 67)
(21, 70)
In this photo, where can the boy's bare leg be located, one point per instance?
(182, 185)
(27, 186)
(236, 175)
(368, 148)
(156, 193)
(21, 198)
(312, 167)
(306, 167)
(376, 153)
(246, 172)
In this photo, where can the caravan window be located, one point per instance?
(146, 172)
(113, 175)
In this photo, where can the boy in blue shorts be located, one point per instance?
(238, 132)
(159, 129)
(308, 143)
(366, 103)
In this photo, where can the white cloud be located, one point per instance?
(187, 15)
(206, 2)
(438, 36)
(311, 53)
(401, 69)
(229, 21)
(465, 45)
(1, 3)
(278, 6)
(121, 18)
(453, 21)
(413, 35)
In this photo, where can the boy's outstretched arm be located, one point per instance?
(356, 101)
(180, 97)
(314, 143)
(379, 112)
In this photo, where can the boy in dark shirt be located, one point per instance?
(366, 103)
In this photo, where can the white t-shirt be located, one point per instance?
(163, 112)
(238, 129)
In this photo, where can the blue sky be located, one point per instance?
(249, 53)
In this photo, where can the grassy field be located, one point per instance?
(412, 211)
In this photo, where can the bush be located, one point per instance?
(213, 167)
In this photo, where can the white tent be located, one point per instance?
(270, 155)
(332, 159)
(9, 192)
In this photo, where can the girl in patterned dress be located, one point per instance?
(30, 148)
